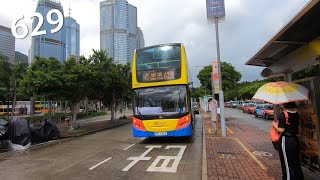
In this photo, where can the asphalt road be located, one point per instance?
(261, 123)
(110, 154)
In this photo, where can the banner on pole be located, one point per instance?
(215, 77)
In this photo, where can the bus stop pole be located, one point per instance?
(221, 98)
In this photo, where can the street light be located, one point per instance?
(216, 13)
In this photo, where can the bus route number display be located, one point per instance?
(158, 76)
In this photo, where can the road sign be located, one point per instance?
(215, 9)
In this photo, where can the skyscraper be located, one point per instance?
(140, 38)
(7, 43)
(118, 29)
(72, 29)
(49, 44)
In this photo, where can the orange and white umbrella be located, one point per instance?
(281, 92)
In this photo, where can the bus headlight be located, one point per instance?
(183, 122)
(138, 124)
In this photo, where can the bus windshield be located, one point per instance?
(159, 63)
(164, 100)
(159, 57)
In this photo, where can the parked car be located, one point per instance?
(264, 111)
(258, 102)
(249, 108)
(234, 104)
(227, 104)
(239, 105)
(243, 105)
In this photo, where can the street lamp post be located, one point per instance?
(216, 12)
(221, 97)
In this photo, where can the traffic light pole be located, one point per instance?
(221, 98)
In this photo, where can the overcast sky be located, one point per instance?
(248, 26)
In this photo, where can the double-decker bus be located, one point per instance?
(161, 93)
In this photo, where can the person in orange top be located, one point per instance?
(289, 150)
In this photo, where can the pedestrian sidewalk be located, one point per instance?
(246, 152)
(106, 117)
(93, 124)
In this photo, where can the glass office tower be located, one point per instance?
(7, 43)
(72, 29)
(49, 44)
(140, 38)
(118, 29)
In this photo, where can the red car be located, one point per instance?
(243, 106)
(249, 108)
(264, 111)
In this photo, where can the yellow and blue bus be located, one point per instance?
(161, 94)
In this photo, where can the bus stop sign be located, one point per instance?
(215, 9)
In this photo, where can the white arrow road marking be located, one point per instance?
(128, 147)
(99, 163)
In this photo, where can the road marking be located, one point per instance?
(99, 163)
(128, 147)
(210, 130)
(227, 156)
(246, 149)
(229, 130)
(164, 166)
(252, 155)
(262, 153)
(140, 158)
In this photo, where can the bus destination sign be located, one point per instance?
(158, 75)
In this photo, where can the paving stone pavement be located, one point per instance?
(246, 152)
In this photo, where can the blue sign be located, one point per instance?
(215, 9)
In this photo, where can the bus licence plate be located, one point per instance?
(160, 133)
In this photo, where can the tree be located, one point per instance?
(77, 80)
(197, 92)
(19, 70)
(121, 83)
(308, 72)
(5, 70)
(114, 81)
(230, 77)
(5, 73)
(43, 80)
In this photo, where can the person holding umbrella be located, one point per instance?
(286, 94)
(289, 150)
